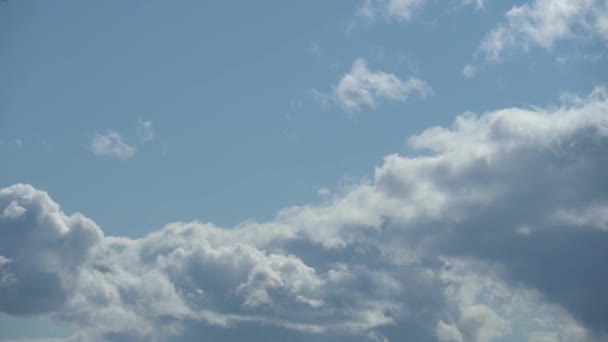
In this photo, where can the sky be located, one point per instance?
(374, 170)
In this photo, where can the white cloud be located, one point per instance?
(469, 71)
(426, 250)
(145, 131)
(398, 10)
(362, 87)
(448, 333)
(13, 211)
(111, 144)
(543, 23)
(388, 9)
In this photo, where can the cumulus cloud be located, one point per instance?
(111, 144)
(430, 249)
(42, 249)
(542, 23)
(478, 3)
(362, 87)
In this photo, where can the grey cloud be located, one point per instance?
(42, 248)
(500, 219)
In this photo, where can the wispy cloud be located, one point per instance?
(469, 71)
(370, 10)
(145, 131)
(542, 23)
(111, 144)
(362, 87)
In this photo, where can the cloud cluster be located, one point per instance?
(536, 23)
(543, 23)
(497, 227)
(362, 87)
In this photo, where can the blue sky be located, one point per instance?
(139, 114)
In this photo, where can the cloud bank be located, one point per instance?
(498, 227)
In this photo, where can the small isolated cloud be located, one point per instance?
(111, 144)
(469, 71)
(478, 3)
(145, 131)
(362, 87)
(388, 10)
(314, 48)
(542, 23)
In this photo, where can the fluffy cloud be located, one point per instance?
(41, 250)
(362, 87)
(111, 144)
(495, 228)
(543, 23)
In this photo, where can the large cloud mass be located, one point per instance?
(500, 219)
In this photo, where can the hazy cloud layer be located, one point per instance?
(497, 227)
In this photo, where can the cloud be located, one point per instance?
(111, 144)
(42, 249)
(430, 248)
(543, 23)
(478, 3)
(362, 87)
(145, 131)
(314, 49)
(469, 71)
(369, 10)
